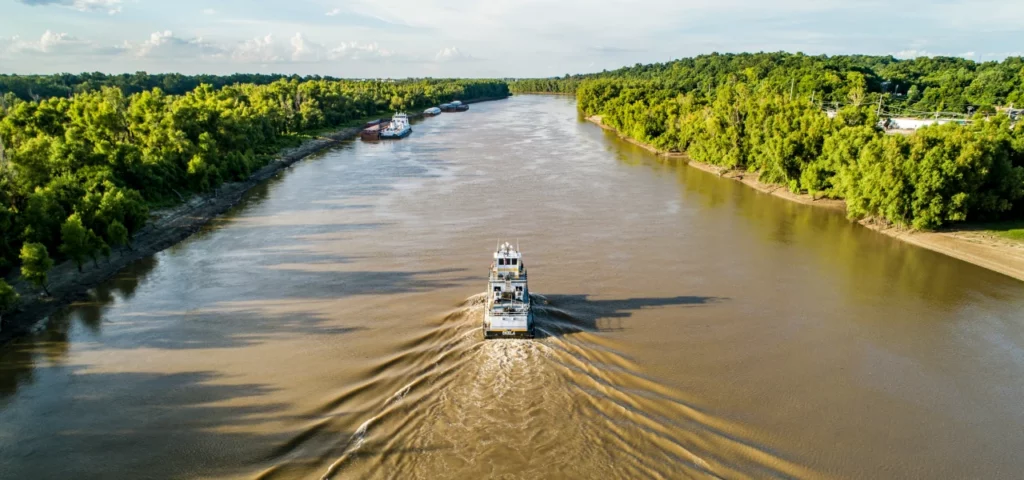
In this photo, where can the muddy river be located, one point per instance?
(690, 327)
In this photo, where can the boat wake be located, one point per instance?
(565, 405)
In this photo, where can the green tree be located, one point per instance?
(97, 247)
(36, 264)
(914, 94)
(76, 242)
(8, 298)
(117, 235)
(762, 113)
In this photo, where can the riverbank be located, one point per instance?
(560, 94)
(977, 247)
(166, 227)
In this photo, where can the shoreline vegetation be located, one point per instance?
(27, 305)
(972, 245)
(810, 129)
(84, 158)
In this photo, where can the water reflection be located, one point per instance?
(49, 347)
(873, 265)
(566, 314)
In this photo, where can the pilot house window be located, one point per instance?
(514, 260)
(501, 261)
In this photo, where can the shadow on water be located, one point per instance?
(222, 428)
(212, 329)
(49, 347)
(559, 315)
(248, 319)
(121, 286)
(337, 284)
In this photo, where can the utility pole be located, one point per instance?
(879, 111)
(792, 84)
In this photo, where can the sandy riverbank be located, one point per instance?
(166, 227)
(985, 250)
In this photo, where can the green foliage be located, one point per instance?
(76, 240)
(30, 87)
(96, 247)
(117, 144)
(8, 298)
(763, 113)
(117, 234)
(920, 85)
(35, 264)
(1013, 230)
(566, 85)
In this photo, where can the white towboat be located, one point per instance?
(508, 298)
(398, 128)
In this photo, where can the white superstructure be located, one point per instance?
(508, 297)
(398, 128)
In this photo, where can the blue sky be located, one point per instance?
(486, 38)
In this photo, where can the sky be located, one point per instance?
(479, 38)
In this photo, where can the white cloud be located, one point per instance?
(48, 43)
(110, 6)
(166, 45)
(357, 51)
(299, 48)
(259, 50)
(451, 54)
(566, 20)
(506, 37)
(304, 50)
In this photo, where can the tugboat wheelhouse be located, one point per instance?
(508, 300)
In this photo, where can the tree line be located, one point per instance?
(921, 85)
(78, 174)
(565, 85)
(762, 113)
(37, 87)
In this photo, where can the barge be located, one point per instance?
(371, 129)
(370, 133)
(455, 106)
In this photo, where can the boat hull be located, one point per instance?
(508, 326)
(394, 135)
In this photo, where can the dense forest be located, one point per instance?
(766, 113)
(78, 174)
(923, 86)
(566, 85)
(37, 87)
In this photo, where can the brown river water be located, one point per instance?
(328, 327)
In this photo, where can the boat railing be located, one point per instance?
(501, 278)
(510, 307)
